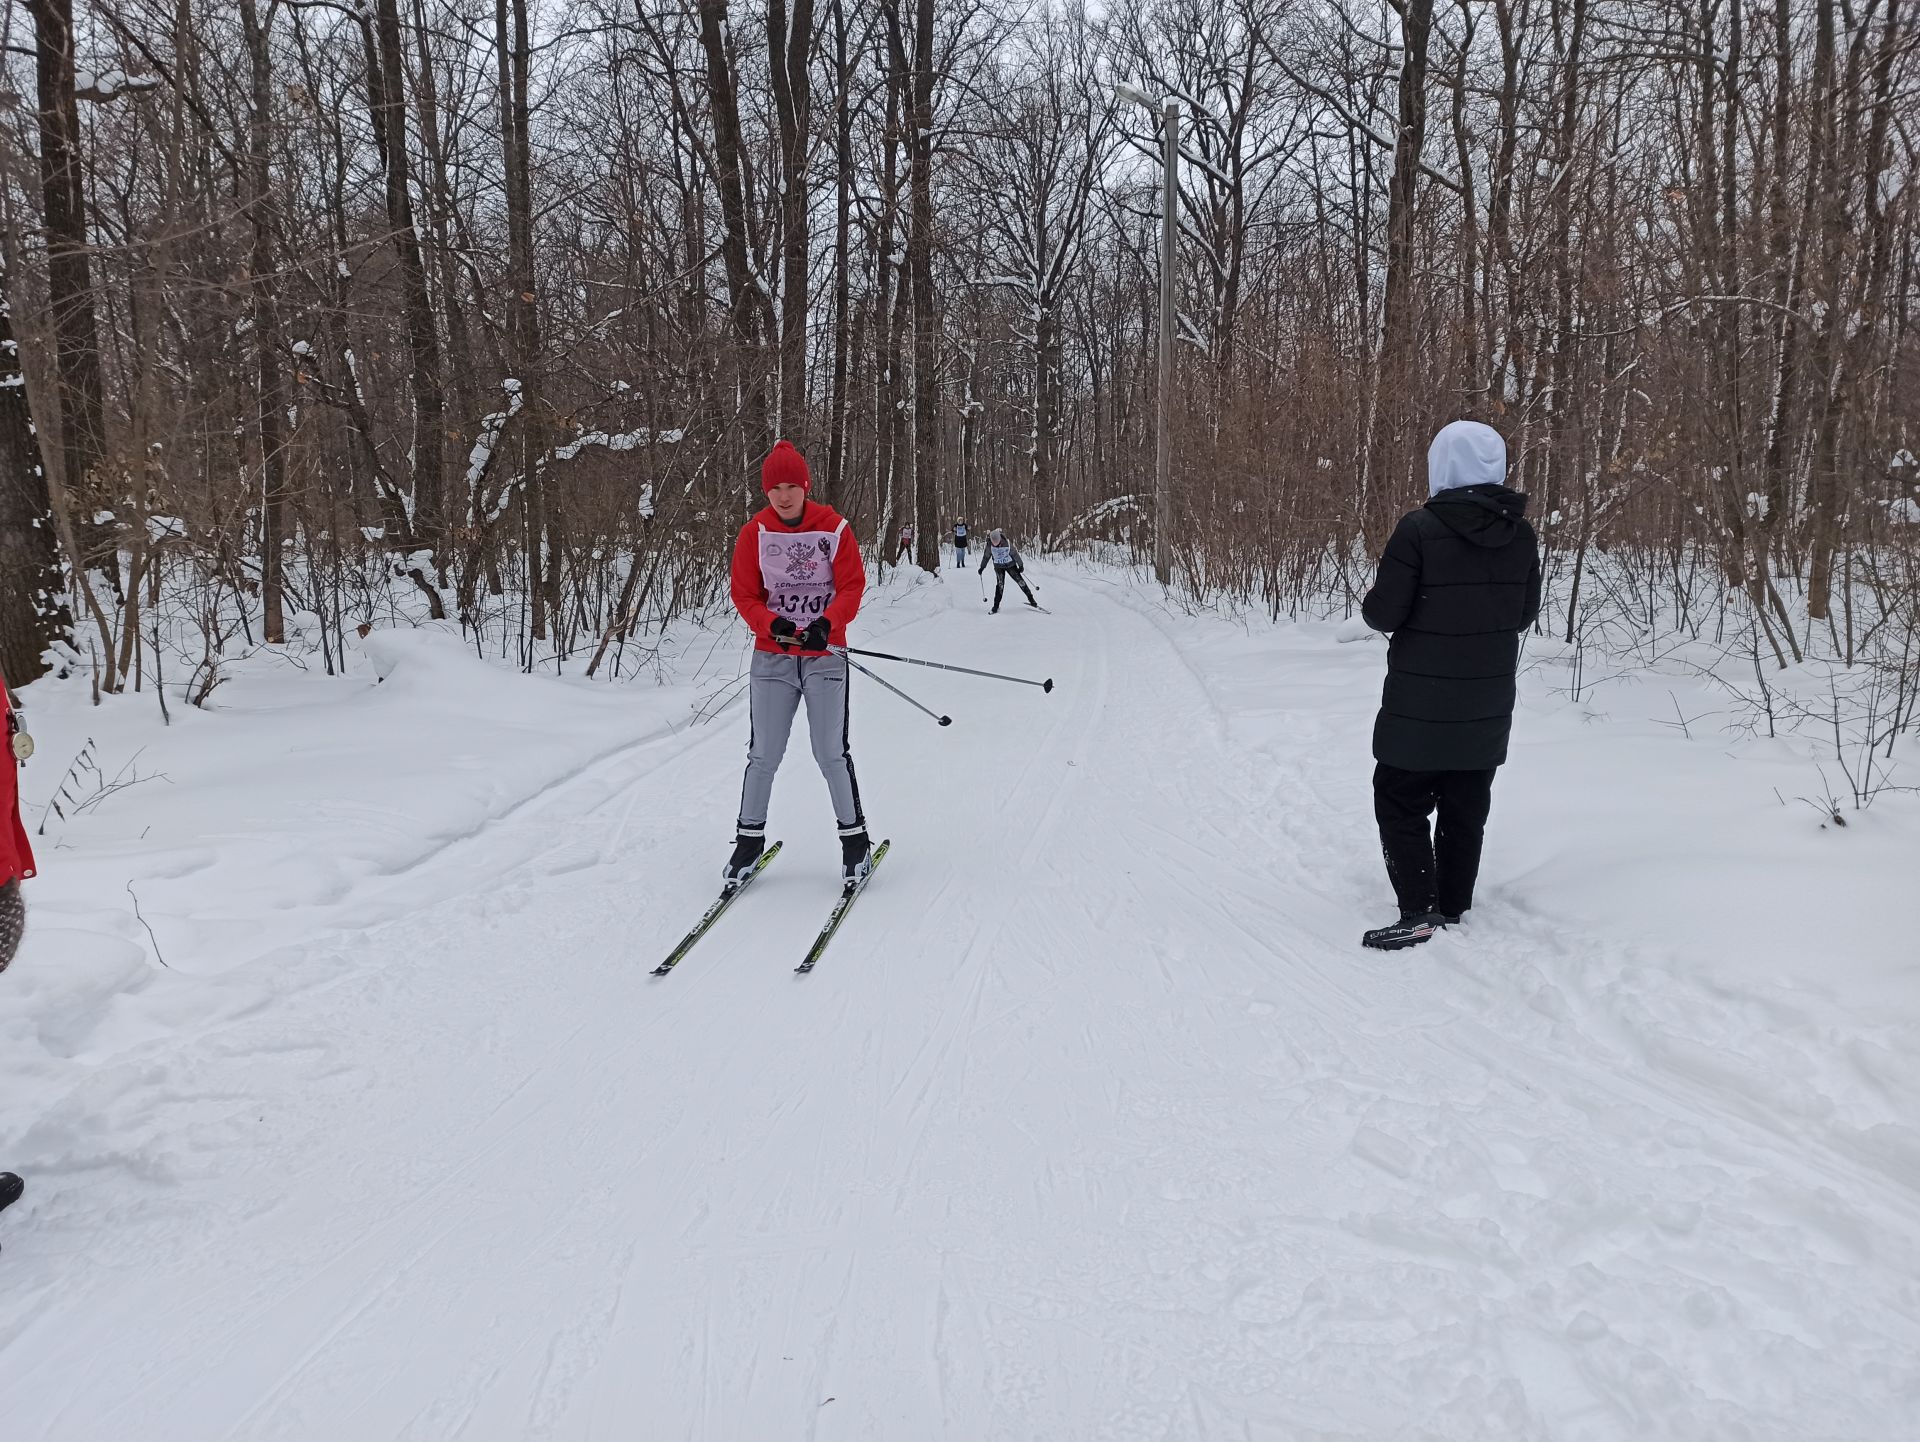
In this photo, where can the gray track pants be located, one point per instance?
(776, 688)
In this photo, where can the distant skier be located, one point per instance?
(797, 582)
(960, 544)
(906, 546)
(1006, 562)
(16, 865)
(1458, 583)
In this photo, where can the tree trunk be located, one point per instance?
(389, 111)
(440, 205)
(33, 605)
(789, 45)
(523, 314)
(1828, 352)
(926, 349)
(270, 403)
(747, 308)
(1392, 369)
(82, 434)
(842, 255)
(893, 302)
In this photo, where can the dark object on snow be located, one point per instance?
(1432, 871)
(1409, 930)
(1458, 583)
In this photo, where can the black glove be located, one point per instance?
(783, 631)
(814, 638)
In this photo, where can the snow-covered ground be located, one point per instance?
(1095, 1122)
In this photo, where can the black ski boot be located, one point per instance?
(856, 858)
(10, 1189)
(746, 855)
(1413, 928)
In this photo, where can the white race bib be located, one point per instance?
(797, 569)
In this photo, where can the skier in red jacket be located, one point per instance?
(16, 864)
(797, 582)
(16, 855)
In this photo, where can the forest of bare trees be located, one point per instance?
(496, 303)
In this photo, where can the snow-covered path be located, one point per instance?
(1094, 1122)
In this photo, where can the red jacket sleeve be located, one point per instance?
(16, 852)
(849, 583)
(749, 590)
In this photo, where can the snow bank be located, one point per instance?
(1097, 1122)
(297, 802)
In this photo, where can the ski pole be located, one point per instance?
(841, 651)
(850, 651)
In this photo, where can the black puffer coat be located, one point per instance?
(1459, 582)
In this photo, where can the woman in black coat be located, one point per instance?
(1458, 584)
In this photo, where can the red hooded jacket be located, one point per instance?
(16, 856)
(811, 568)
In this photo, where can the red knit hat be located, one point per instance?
(784, 466)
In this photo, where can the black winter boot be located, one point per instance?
(746, 854)
(1411, 929)
(856, 858)
(10, 1189)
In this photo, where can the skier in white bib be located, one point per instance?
(1005, 557)
(797, 582)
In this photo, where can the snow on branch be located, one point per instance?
(1014, 282)
(614, 441)
(1111, 506)
(1200, 162)
(483, 515)
(110, 85)
(480, 460)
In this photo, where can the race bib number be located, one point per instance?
(797, 571)
(1002, 555)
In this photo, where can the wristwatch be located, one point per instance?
(17, 736)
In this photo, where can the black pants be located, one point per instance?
(1000, 574)
(1432, 871)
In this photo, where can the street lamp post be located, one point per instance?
(1169, 111)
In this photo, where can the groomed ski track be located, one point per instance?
(1093, 1122)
